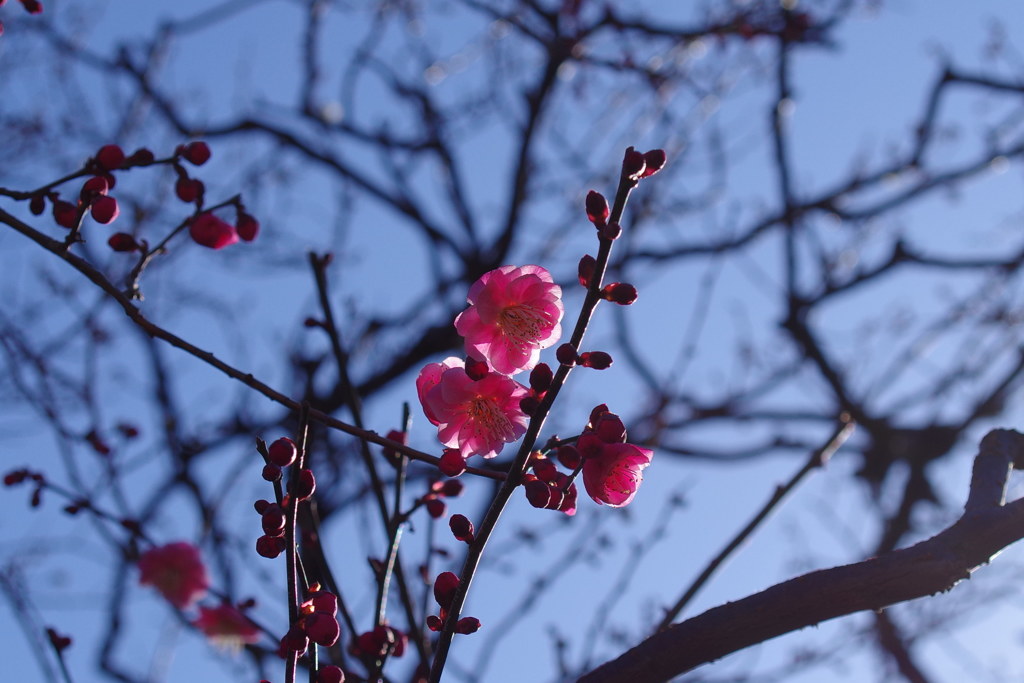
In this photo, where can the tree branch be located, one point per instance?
(932, 566)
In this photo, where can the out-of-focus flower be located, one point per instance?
(210, 231)
(478, 417)
(514, 312)
(177, 571)
(227, 627)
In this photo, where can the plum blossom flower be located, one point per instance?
(614, 475)
(478, 417)
(227, 627)
(612, 468)
(514, 312)
(177, 571)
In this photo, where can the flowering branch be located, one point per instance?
(632, 170)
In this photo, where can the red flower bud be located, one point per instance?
(32, 6)
(544, 469)
(65, 214)
(540, 377)
(528, 405)
(633, 164)
(452, 463)
(476, 369)
(295, 640)
(270, 546)
(262, 505)
(611, 232)
(467, 625)
(140, 157)
(452, 488)
(621, 293)
(271, 472)
(122, 241)
(655, 160)
(283, 452)
(598, 360)
(569, 457)
(247, 227)
(609, 428)
(197, 153)
(538, 493)
(330, 674)
(445, 586)
(566, 354)
(597, 208)
(96, 185)
(435, 508)
(434, 623)
(325, 602)
(587, 267)
(58, 641)
(37, 204)
(306, 485)
(110, 157)
(273, 520)
(188, 189)
(462, 528)
(322, 628)
(104, 209)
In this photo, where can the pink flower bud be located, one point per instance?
(597, 208)
(609, 428)
(110, 157)
(282, 452)
(210, 231)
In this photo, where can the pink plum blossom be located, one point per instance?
(227, 627)
(613, 474)
(478, 417)
(177, 571)
(514, 312)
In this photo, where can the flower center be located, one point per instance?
(487, 416)
(522, 324)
